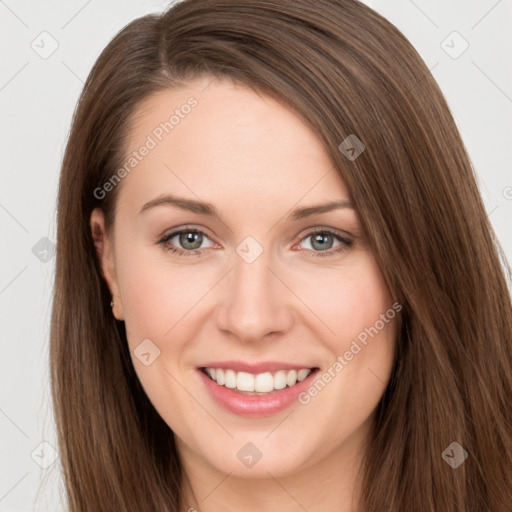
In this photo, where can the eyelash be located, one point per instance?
(345, 243)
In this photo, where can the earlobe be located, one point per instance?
(104, 253)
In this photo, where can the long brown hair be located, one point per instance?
(345, 70)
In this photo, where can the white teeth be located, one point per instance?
(264, 382)
(245, 381)
(301, 374)
(260, 383)
(230, 379)
(280, 379)
(291, 377)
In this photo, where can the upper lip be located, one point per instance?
(255, 368)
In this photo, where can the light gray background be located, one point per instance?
(37, 98)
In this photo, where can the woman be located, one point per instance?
(276, 285)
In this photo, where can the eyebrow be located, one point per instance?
(203, 208)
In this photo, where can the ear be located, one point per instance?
(106, 259)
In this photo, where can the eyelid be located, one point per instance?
(324, 229)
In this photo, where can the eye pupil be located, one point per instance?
(191, 237)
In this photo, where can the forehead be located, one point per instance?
(217, 140)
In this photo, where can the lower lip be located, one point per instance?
(255, 405)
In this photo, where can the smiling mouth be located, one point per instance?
(257, 384)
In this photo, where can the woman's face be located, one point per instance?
(266, 286)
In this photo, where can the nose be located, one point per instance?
(254, 303)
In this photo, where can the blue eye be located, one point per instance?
(191, 240)
(321, 238)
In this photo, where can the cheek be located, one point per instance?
(156, 297)
(348, 299)
(355, 304)
(156, 294)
